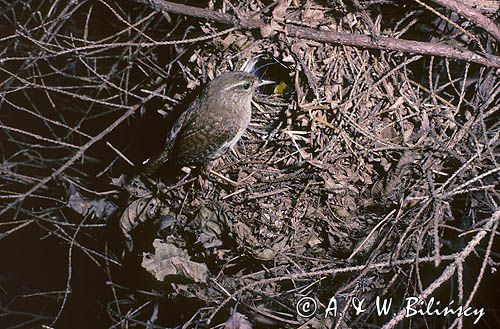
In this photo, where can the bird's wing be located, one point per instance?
(181, 121)
(203, 138)
(156, 161)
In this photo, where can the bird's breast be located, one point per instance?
(240, 119)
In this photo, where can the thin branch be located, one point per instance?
(349, 39)
(82, 150)
(472, 15)
(450, 270)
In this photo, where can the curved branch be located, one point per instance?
(356, 40)
(472, 15)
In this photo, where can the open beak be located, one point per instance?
(264, 82)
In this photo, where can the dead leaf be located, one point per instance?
(170, 261)
(279, 11)
(134, 186)
(137, 212)
(237, 321)
(97, 208)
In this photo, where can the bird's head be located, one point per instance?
(234, 86)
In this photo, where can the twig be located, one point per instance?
(485, 261)
(332, 271)
(349, 39)
(473, 15)
(450, 270)
(82, 150)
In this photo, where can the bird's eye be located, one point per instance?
(246, 85)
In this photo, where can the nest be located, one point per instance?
(365, 174)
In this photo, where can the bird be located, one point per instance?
(211, 124)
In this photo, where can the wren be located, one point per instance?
(211, 124)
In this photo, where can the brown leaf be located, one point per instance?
(168, 260)
(237, 321)
(279, 11)
(137, 212)
(98, 208)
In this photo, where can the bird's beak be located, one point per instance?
(264, 82)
